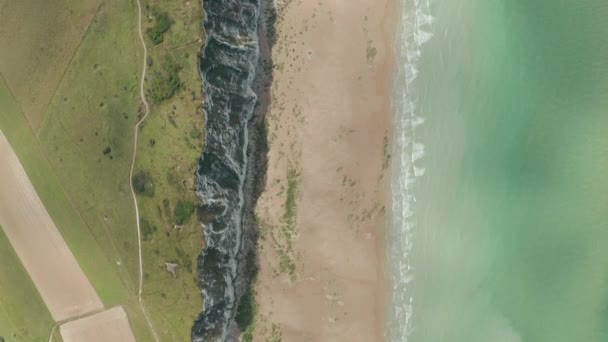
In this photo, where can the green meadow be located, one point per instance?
(23, 316)
(170, 144)
(72, 128)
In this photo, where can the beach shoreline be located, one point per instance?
(323, 211)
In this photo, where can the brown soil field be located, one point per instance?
(47, 259)
(110, 325)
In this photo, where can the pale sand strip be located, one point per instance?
(63, 286)
(329, 118)
(110, 325)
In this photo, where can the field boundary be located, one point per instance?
(73, 205)
(64, 73)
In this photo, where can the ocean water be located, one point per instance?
(500, 172)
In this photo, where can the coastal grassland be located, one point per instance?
(284, 233)
(84, 188)
(23, 315)
(76, 232)
(77, 151)
(39, 39)
(170, 144)
(88, 131)
(57, 202)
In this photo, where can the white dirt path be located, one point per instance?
(136, 135)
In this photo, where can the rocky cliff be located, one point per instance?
(228, 67)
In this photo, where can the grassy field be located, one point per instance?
(87, 132)
(72, 128)
(100, 270)
(31, 64)
(83, 195)
(23, 316)
(169, 148)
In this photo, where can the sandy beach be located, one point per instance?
(322, 212)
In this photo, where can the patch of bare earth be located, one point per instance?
(110, 325)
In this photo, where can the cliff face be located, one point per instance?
(228, 67)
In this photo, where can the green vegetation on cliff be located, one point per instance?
(169, 148)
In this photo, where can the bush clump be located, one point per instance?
(195, 133)
(173, 179)
(162, 25)
(183, 259)
(247, 306)
(289, 217)
(246, 310)
(167, 207)
(183, 211)
(147, 229)
(143, 183)
(164, 83)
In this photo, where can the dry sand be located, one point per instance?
(322, 279)
(110, 325)
(63, 286)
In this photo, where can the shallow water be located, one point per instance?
(505, 231)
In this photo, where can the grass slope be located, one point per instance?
(88, 130)
(81, 196)
(78, 157)
(169, 147)
(99, 269)
(23, 315)
(32, 64)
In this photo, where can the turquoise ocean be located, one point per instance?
(500, 172)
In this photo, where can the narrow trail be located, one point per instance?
(136, 136)
(137, 125)
(72, 319)
(53, 331)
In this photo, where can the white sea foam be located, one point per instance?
(415, 30)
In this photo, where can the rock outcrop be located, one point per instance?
(228, 67)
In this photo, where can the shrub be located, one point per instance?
(164, 83)
(289, 217)
(247, 335)
(246, 310)
(167, 206)
(183, 211)
(183, 259)
(195, 133)
(163, 86)
(162, 24)
(143, 183)
(173, 179)
(146, 228)
(247, 306)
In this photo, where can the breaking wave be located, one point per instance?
(414, 32)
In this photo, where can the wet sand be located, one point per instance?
(322, 212)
